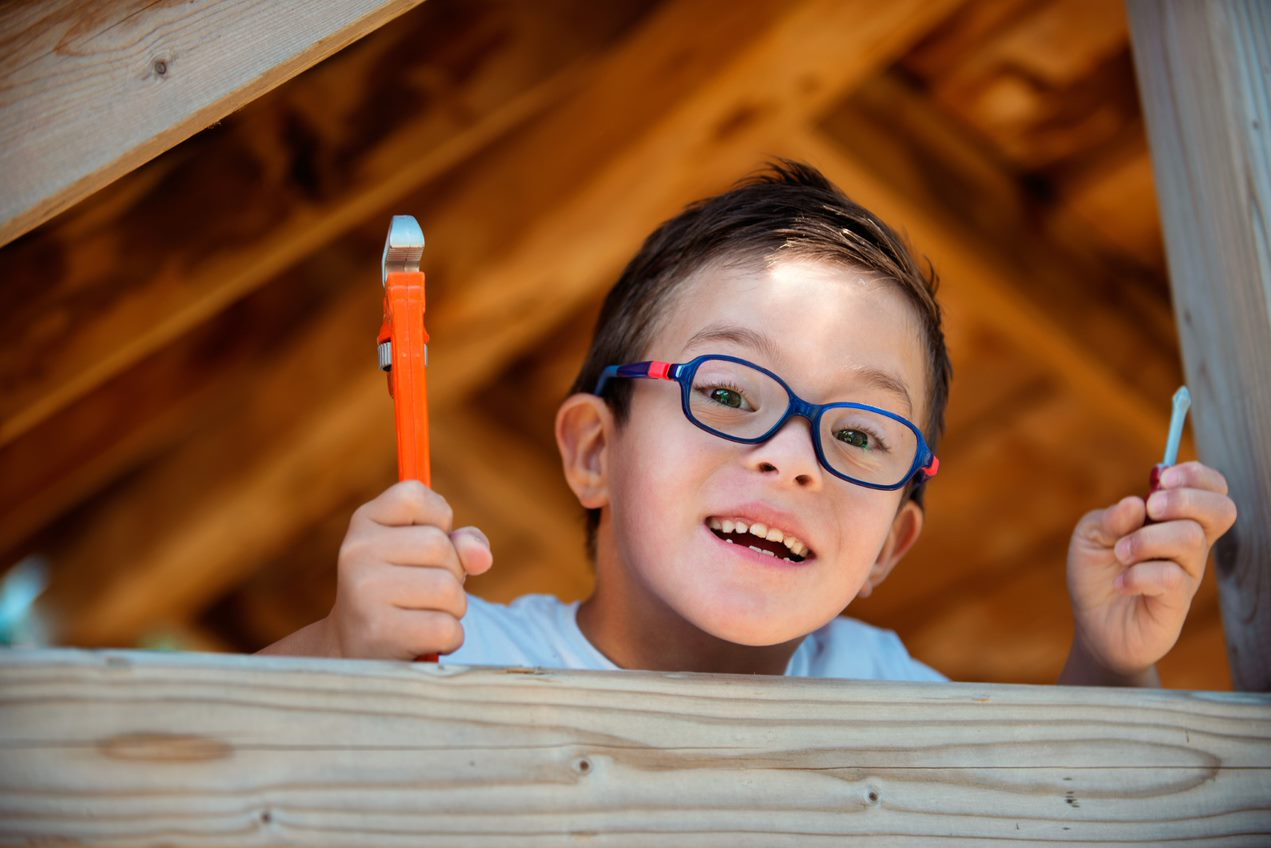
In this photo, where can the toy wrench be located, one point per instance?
(403, 349)
(403, 344)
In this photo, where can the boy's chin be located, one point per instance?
(758, 634)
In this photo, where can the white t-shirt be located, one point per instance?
(539, 631)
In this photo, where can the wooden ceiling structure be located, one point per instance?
(190, 408)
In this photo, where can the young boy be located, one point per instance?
(751, 435)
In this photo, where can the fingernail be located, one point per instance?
(1169, 477)
(1123, 550)
(1119, 583)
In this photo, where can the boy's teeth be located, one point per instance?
(730, 526)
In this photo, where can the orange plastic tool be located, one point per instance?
(403, 344)
(403, 349)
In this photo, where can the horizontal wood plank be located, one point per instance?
(92, 90)
(182, 749)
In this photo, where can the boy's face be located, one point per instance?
(829, 332)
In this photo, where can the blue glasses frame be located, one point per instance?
(925, 461)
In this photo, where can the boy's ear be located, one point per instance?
(583, 425)
(905, 529)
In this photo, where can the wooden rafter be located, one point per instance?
(987, 282)
(92, 90)
(118, 294)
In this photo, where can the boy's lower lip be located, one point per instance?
(756, 557)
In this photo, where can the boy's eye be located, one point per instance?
(727, 397)
(855, 438)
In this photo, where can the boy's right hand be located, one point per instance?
(399, 591)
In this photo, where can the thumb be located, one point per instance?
(474, 550)
(1103, 527)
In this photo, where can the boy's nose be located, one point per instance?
(789, 454)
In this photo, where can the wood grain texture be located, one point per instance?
(184, 749)
(1046, 253)
(179, 241)
(984, 280)
(700, 109)
(92, 90)
(1204, 73)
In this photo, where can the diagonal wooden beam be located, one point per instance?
(92, 90)
(932, 162)
(302, 442)
(671, 145)
(190, 544)
(129, 272)
(978, 279)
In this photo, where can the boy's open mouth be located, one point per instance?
(760, 538)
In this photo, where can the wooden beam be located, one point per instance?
(679, 135)
(1207, 96)
(143, 410)
(268, 459)
(303, 442)
(982, 282)
(1045, 252)
(273, 749)
(129, 272)
(94, 90)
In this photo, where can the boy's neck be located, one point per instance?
(656, 639)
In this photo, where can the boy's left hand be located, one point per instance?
(1131, 583)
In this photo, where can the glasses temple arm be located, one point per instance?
(653, 369)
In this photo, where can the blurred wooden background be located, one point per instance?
(189, 403)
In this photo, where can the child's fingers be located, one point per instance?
(474, 550)
(1194, 475)
(414, 546)
(1182, 542)
(1103, 527)
(1214, 511)
(1156, 578)
(419, 632)
(425, 589)
(405, 503)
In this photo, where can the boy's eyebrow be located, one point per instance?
(882, 380)
(762, 343)
(744, 336)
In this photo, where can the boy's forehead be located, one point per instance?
(830, 328)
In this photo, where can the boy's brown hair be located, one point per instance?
(788, 211)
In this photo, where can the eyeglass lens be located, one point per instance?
(737, 400)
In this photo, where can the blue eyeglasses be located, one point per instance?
(744, 402)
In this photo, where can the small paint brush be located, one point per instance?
(1182, 403)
